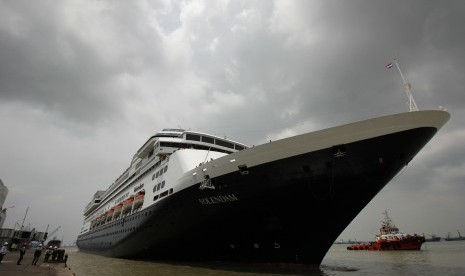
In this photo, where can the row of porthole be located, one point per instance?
(165, 193)
(256, 246)
(121, 231)
(159, 186)
(108, 234)
(160, 172)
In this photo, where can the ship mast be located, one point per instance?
(408, 89)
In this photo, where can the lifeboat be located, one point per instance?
(117, 210)
(93, 223)
(103, 218)
(139, 199)
(109, 214)
(127, 204)
(100, 220)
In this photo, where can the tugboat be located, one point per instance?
(390, 238)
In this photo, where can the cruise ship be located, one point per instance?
(188, 195)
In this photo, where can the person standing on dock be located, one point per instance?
(22, 251)
(3, 251)
(37, 254)
(48, 253)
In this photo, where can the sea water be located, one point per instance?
(435, 258)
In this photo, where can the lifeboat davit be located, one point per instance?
(139, 199)
(127, 204)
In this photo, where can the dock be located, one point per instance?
(8, 267)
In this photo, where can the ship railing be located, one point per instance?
(135, 177)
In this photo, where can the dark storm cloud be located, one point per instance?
(69, 65)
(45, 66)
(330, 61)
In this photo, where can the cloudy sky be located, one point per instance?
(84, 83)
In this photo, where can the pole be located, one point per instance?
(408, 90)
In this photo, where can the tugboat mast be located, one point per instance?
(408, 90)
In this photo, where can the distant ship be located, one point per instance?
(345, 242)
(188, 195)
(433, 238)
(459, 238)
(390, 238)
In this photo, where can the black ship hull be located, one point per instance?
(284, 211)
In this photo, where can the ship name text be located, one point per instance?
(217, 199)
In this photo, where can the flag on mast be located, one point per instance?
(408, 88)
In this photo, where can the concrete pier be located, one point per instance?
(8, 267)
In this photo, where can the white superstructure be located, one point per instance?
(154, 173)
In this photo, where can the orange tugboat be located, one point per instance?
(390, 238)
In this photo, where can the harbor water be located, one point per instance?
(435, 258)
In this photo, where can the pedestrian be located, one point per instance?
(3, 251)
(48, 253)
(22, 251)
(37, 254)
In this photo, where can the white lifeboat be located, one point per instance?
(127, 204)
(139, 199)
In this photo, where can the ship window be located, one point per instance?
(192, 137)
(153, 176)
(207, 139)
(165, 193)
(157, 174)
(161, 172)
(155, 197)
(162, 185)
(171, 190)
(165, 169)
(158, 186)
(224, 143)
(238, 147)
